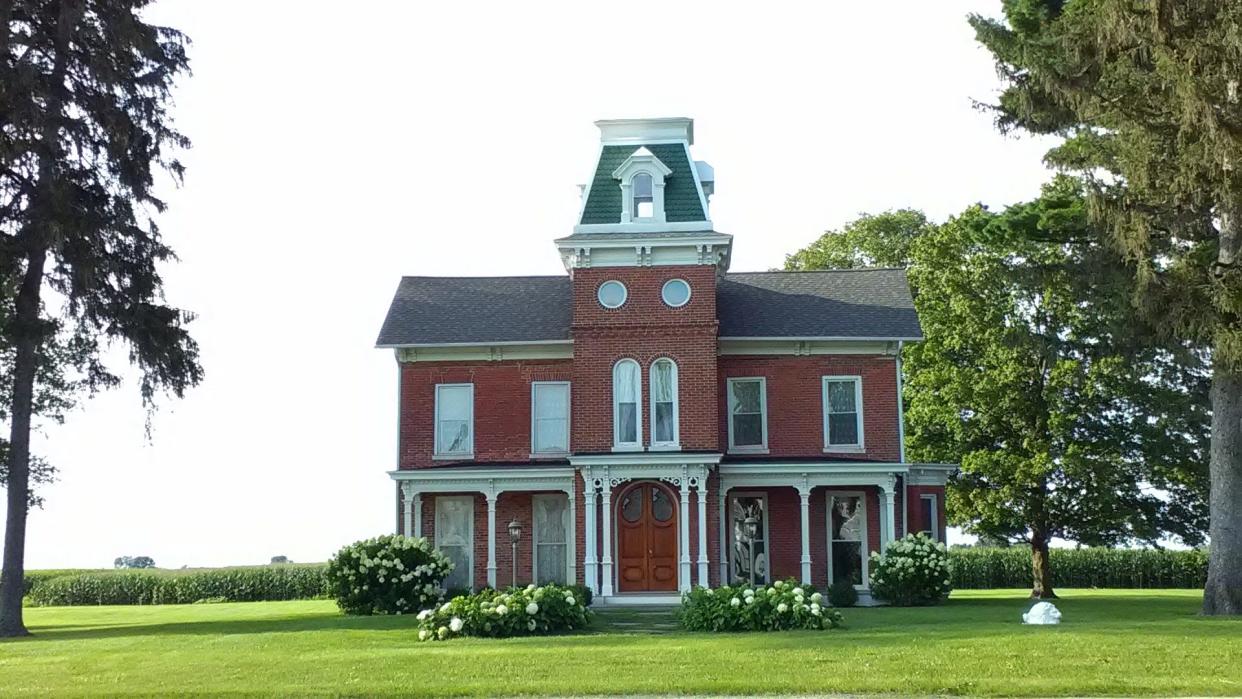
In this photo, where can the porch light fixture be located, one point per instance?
(751, 524)
(515, 535)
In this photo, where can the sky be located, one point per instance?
(338, 146)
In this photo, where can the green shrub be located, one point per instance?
(783, 605)
(525, 611)
(983, 568)
(912, 571)
(389, 574)
(35, 578)
(843, 594)
(248, 584)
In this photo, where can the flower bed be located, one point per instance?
(525, 611)
(780, 606)
(912, 571)
(390, 574)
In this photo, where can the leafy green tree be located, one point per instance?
(1029, 379)
(871, 240)
(133, 562)
(84, 131)
(1145, 95)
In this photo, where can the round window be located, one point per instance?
(676, 292)
(612, 294)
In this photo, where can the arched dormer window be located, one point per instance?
(644, 200)
(627, 400)
(664, 404)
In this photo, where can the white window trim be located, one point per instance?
(763, 414)
(865, 550)
(929, 501)
(676, 443)
(767, 529)
(642, 161)
(689, 292)
(534, 419)
(469, 528)
(625, 294)
(858, 406)
(636, 445)
(456, 455)
(534, 536)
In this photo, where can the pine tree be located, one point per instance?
(84, 131)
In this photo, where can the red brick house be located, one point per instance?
(649, 419)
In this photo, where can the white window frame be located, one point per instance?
(456, 455)
(689, 292)
(929, 502)
(534, 536)
(676, 443)
(767, 529)
(534, 419)
(642, 161)
(864, 551)
(469, 527)
(763, 414)
(858, 406)
(637, 444)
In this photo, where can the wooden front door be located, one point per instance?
(647, 540)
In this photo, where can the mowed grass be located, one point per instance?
(1117, 642)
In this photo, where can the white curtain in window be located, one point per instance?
(551, 419)
(454, 411)
(663, 401)
(550, 514)
(625, 391)
(452, 535)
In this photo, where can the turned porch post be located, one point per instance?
(703, 582)
(683, 580)
(590, 564)
(606, 586)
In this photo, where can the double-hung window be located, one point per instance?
(454, 420)
(930, 517)
(843, 413)
(549, 417)
(664, 404)
(627, 400)
(748, 414)
(847, 538)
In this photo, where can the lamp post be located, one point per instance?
(515, 535)
(752, 529)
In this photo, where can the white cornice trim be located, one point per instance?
(815, 467)
(643, 457)
(502, 343)
(930, 474)
(820, 338)
(624, 241)
(669, 227)
(500, 472)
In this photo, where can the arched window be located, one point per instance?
(627, 396)
(644, 199)
(664, 403)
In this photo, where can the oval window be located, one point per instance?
(632, 506)
(661, 506)
(676, 293)
(612, 294)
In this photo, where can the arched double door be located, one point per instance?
(646, 539)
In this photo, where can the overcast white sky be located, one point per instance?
(338, 146)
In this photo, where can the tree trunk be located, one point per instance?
(1041, 570)
(1223, 593)
(28, 335)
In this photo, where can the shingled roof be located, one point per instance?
(845, 304)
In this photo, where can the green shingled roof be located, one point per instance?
(681, 196)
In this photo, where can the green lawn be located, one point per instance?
(1111, 642)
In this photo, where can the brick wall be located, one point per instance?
(915, 507)
(795, 401)
(501, 406)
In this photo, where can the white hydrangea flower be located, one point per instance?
(748, 592)
(442, 632)
(734, 602)
(502, 610)
(456, 624)
(423, 634)
(569, 599)
(750, 600)
(782, 607)
(530, 625)
(423, 614)
(532, 609)
(816, 597)
(447, 606)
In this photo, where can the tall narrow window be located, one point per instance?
(549, 429)
(454, 536)
(843, 413)
(930, 517)
(627, 395)
(664, 403)
(847, 538)
(644, 201)
(454, 419)
(748, 414)
(551, 524)
(748, 553)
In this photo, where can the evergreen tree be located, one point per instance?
(84, 131)
(1145, 95)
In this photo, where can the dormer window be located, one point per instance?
(644, 200)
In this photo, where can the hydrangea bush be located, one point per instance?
(912, 571)
(782, 605)
(390, 574)
(525, 611)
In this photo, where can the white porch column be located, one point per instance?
(703, 582)
(418, 514)
(683, 580)
(590, 565)
(724, 541)
(573, 536)
(805, 494)
(407, 503)
(887, 515)
(606, 586)
(491, 539)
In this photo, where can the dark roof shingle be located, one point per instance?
(681, 196)
(439, 310)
